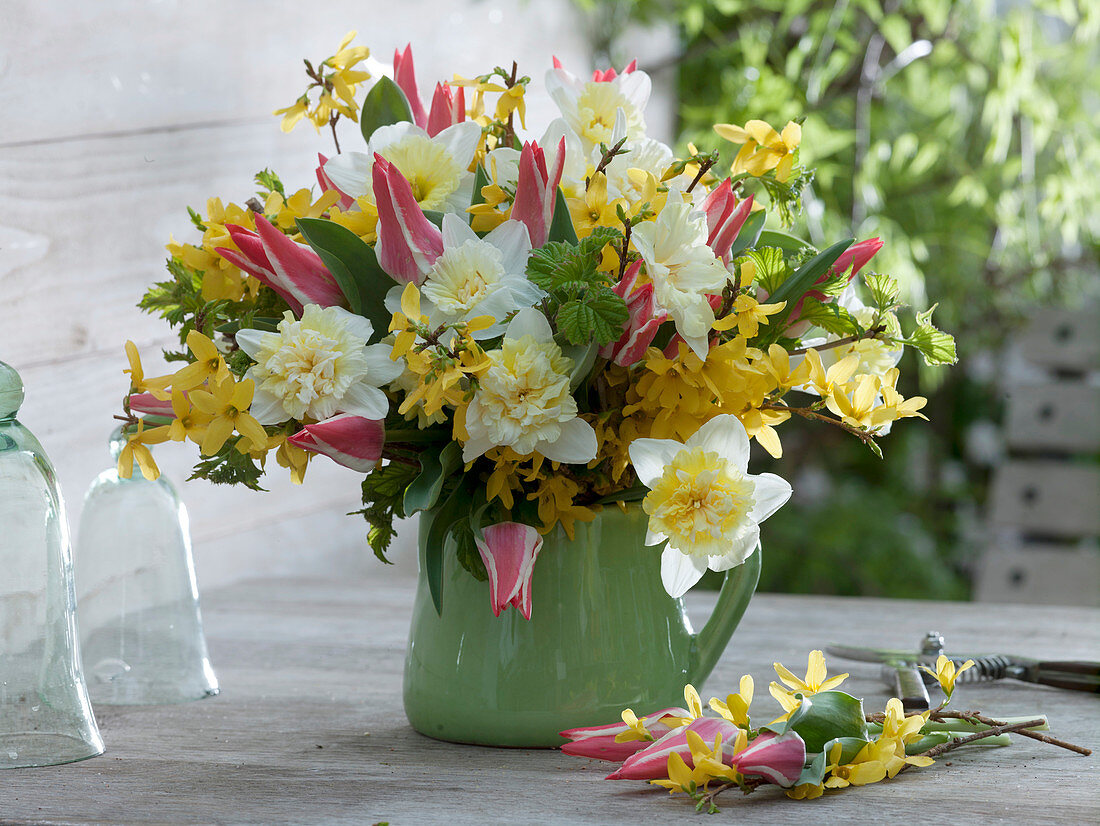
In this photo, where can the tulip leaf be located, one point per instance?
(385, 104)
(434, 540)
(561, 225)
(423, 492)
(825, 716)
(803, 279)
(353, 264)
(437, 217)
(481, 180)
(749, 234)
(790, 244)
(798, 285)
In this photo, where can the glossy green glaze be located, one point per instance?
(603, 636)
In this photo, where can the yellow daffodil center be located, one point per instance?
(462, 276)
(596, 110)
(309, 361)
(524, 395)
(431, 171)
(699, 501)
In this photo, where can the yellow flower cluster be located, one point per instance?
(442, 371)
(208, 405)
(337, 86)
(762, 148)
(221, 279)
(556, 497)
(678, 395)
(876, 761)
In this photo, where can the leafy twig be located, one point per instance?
(809, 413)
(840, 342)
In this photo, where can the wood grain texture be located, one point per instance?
(309, 727)
(184, 62)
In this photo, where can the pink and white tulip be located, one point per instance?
(292, 270)
(778, 759)
(851, 261)
(327, 185)
(408, 243)
(641, 326)
(537, 190)
(404, 74)
(725, 217)
(599, 741)
(651, 763)
(150, 405)
(509, 551)
(448, 108)
(855, 258)
(352, 441)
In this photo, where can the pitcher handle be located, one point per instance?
(738, 587)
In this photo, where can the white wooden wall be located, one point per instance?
(117, 115)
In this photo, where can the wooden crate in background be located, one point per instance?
(1044, 508)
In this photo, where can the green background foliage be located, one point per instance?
(965, 136)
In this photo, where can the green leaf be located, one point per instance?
(884, 290)
(583, 356)
(561, 225)
(790, 244)
(771, 267)
(481, 180)
(385, 104)
(802, 281)
(600, 314)
(353, 264)
(434, 539)
(935, 346)
(749, 234)
(383, 492)
(423, 492)
(828, 715)
(830, 317)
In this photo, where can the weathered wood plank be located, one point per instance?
(1061, 416)
(309, 726)
(1049, 498)
(1061, 339)
(207, 61)
(1039, 574)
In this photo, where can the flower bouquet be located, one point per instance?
(513, 335)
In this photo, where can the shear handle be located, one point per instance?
(1076, 675)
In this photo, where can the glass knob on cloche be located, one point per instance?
(141, 628)
(45, 716)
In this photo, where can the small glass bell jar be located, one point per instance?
(141, 628)
(45, 716)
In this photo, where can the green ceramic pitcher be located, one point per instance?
(603, 636)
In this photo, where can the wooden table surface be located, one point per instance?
(309, 726)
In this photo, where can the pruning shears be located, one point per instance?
(902, 669)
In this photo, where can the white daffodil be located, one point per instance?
(702, 501)
(523, 399)
(683, 269)
(590, 107)
(437, 168)
(318, 367)
(476, 276)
